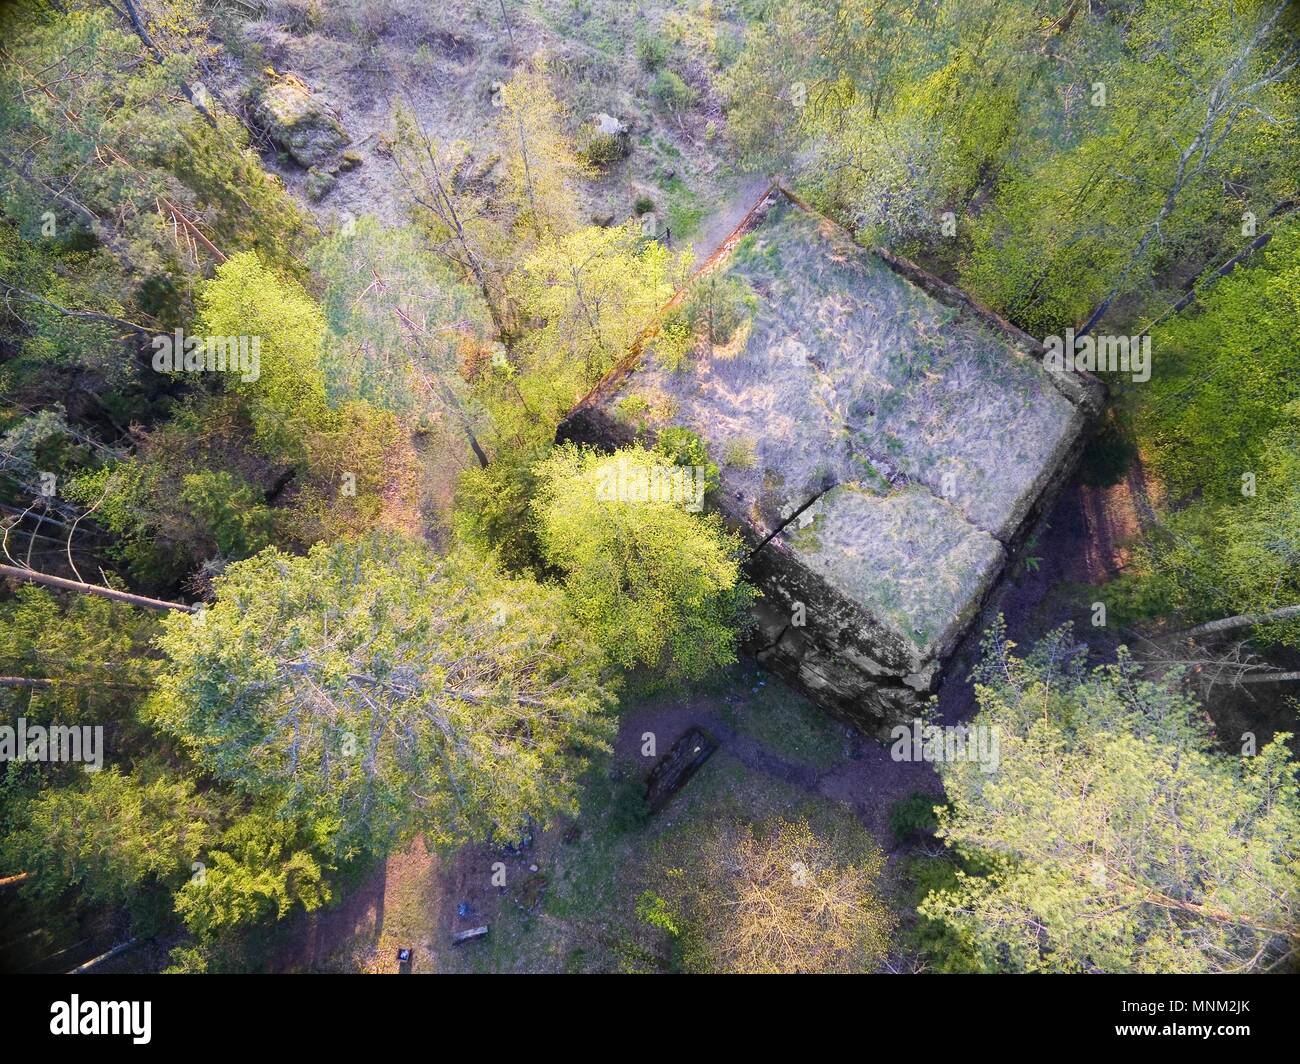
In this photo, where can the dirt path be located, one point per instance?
(714, 230)
(1114, 518)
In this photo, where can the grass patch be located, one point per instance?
(684, 208)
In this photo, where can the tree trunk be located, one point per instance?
(34, 577)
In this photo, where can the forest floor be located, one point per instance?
(441, 64)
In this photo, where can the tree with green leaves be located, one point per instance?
(372, 691)
(260, 869)
(287, 398)
(119, 834)
(1219, 427)
(541, 165)
(656, 585)
(400, 326)
(1117, 837)
(593, 291)
(79, 660)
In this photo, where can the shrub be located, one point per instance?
(651, 50)
(671, 91)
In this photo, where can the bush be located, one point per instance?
(685, 447)
(671, 91)
(651, 50)
(915, 813)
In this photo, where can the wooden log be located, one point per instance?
(465, 936)
(95, 961)
(676, 767)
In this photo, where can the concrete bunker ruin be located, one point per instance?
(885, 446)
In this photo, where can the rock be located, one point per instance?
(320, 183)
(602, 218)
(608, 125)
(298, 122)
(607, 140)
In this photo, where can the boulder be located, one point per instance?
(607, 140)
(299, 122)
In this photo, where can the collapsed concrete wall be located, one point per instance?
(884, 446)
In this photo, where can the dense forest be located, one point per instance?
(320, 638)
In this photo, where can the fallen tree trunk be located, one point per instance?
(104, 957)
(1242, 620)
(34, 577)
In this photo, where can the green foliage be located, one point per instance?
(719, 306)
(541, 165)
(372, 691)
(234, 513)
(595, 290)
(671, 91)
(191, 495)
(1215, 558)
(655, 585)
(938, 945)
(259, 869)
(96, 651)
(399, 323)
(1219, 425)
(1117, 839)
(1223, 374)
(686, 447)
(651, 50)
(246, 298)
(894, 117)
(494, 508)
(656, 912)
(117, 835)
(913, 815)
(97, 118)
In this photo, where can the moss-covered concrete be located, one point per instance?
(901, 440)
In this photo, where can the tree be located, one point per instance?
(92, 656)
(1134, 173)
(541, 164)
(119, 834)
(594, 291)
(287, 396)
(1224, 373)
(111, 138)
(400, 326)
(1220, 556)
(1119, 839)
(260, 868)
(655, 584)
(461, 224)
(372, 691)
(1219, 426)
(779, 897)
